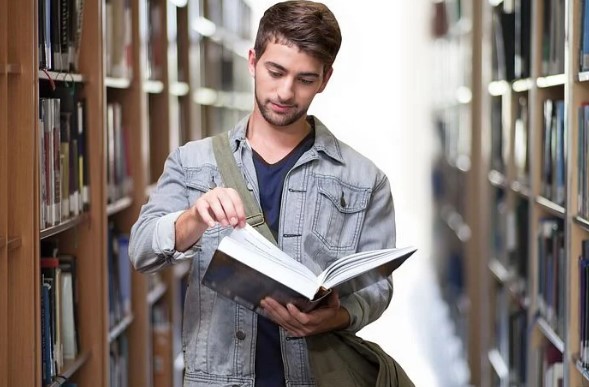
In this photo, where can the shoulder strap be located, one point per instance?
(233, 178)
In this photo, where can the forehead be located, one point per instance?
(291, 58)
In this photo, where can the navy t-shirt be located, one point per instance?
(269, 366)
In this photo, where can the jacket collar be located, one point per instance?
(325, 141)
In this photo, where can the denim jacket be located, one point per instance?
(335, 202)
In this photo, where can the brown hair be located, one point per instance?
(308, 25)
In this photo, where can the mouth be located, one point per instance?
(279, 108)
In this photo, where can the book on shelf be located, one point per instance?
(246, 268)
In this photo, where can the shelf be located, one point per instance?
(118, 206)
(156, 293)
(231, 100)
(550, 206)
(455, 222)
(521, 189)
(584, 76)
(550, 334)
(500, 272)
(229, 40)
(63, 226)
(120, 328)
(179, 361)
(551, 81)
(497, 179)
(498, 88)
(582, 369)
(70, 368)
(582, 222)
(57, 76)
(522, 85)
(153, 86)
(117, 83)
(498, 363)
(179, 89)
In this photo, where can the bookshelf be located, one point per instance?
(456, 30)
(139, 66)
(533, 90)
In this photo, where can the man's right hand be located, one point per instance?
(219, 205)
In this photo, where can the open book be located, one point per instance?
(247, 267)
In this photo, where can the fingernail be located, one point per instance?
(233, 221)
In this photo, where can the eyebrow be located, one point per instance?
(282, 68)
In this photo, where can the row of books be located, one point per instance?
(511, 26)
(119, 178)
(584, 50)
(553, 171)
(119, 277)
(60, 30)
(583, 162)
(59, 322)
(119, 362)
(548, 366)
(63, 164)
(584, 303)
(552, 273)
(118, 39)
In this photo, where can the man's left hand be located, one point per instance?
(331, 316)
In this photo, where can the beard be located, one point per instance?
(277, 119)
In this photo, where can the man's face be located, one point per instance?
(286, 81)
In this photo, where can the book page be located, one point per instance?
(357, 264)
(252, 249)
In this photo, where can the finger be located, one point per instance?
(279, 314)
(238, 206)
(202, 208)
(216, 203)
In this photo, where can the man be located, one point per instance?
(321, 199)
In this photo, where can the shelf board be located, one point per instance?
(550, 334)
(501, 273)
(120, 328)
(498, 363)
(521, 189)
(10, 68)
(522, 85)
(550, 206)
(58, 76)
(63, 226)
(153, 87)
(582, 222)
(584, 76)
(551, 81)
(584, 371)
(455, 222)
(70, 368)
(498, 88)
(179, 89)
(117, 83)
(156, 293)
(179, 361)
(14, 243)
(497, 179)
(119, 205)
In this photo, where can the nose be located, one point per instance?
(286, 90)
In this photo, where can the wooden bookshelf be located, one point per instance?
(457, 174)
(158, 113)
(534, 204)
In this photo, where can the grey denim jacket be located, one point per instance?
(335, 202)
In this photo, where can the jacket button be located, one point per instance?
(240, 335)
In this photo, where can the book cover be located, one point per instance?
(247, 268)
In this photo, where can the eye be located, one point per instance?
(274, 74)
(305, 81)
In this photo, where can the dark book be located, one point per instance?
(247, 268)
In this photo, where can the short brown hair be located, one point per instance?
(309, 25)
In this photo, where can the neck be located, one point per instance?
(273, 143)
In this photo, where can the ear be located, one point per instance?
(251, 62)
(326, 79)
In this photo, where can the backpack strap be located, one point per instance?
(234, 179)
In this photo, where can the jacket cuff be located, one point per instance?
(355, 311)
(164, 239)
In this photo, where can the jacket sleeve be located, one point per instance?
(378, 232)
(152, 240)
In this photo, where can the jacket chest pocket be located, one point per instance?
(339, 213)
(200, 180)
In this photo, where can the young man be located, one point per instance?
(321, 199)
